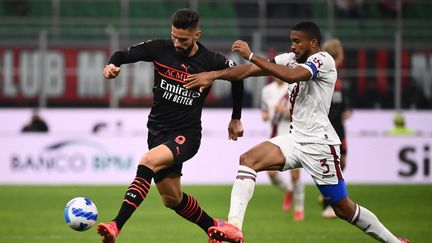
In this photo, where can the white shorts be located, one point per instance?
(321, 161)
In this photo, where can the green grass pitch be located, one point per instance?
(35, 214)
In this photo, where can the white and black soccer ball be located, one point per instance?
(80, 213)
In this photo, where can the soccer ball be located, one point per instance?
(80, 213)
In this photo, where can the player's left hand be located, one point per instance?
(242, 48)
(235, 129)
(202, 80)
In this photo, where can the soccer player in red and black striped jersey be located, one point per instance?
(174, 122)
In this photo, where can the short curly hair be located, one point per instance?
(185, 19)
(310, 29)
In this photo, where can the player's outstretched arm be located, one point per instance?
(132, 54)
(237, 73)
(284, 73)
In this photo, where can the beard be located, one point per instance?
(184, 51)
(302, 58)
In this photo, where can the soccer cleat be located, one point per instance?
(287, 201)
(217, 222)
(298, 215)
(403, 240)
(224, 231)
(108, 231)
(329, 213)
(211, 240)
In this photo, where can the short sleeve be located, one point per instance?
(318, 63)
(286, 59)
(221, 62)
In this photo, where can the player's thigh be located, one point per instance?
(321, 161)
(158, 158)
(287, 147)
(174, 148)
(334, 194)
(264, 156)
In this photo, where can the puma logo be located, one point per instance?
(178, 151)
(186, 68)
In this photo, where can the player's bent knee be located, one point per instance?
(170, 201)
(247, 160)
(149, 161)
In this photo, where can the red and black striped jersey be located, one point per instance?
(174, 107)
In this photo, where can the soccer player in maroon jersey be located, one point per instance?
(311, 144)
(174, 122)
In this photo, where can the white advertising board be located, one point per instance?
(72, 154)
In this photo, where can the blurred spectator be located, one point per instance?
(17, 7)
(36, 124)
(349, 8)
(280, 10)
(399, 128)
(388, 8)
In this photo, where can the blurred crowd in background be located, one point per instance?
(52, 51)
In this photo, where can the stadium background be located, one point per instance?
(52, 53)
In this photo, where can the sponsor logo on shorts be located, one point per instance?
(328, 176)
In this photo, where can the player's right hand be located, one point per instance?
(199, 80)
(111, 71)
(242, 48)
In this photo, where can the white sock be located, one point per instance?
(369, 223)
(241, 194)
(278, 181)
(299, 196)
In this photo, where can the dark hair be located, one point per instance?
(310, 28)
(185, 19)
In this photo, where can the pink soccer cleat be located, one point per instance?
(211, 240)
(287, 201)
(298, 215)
(403, 240)
(109, 232)
(217, 222)
(224, 231)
